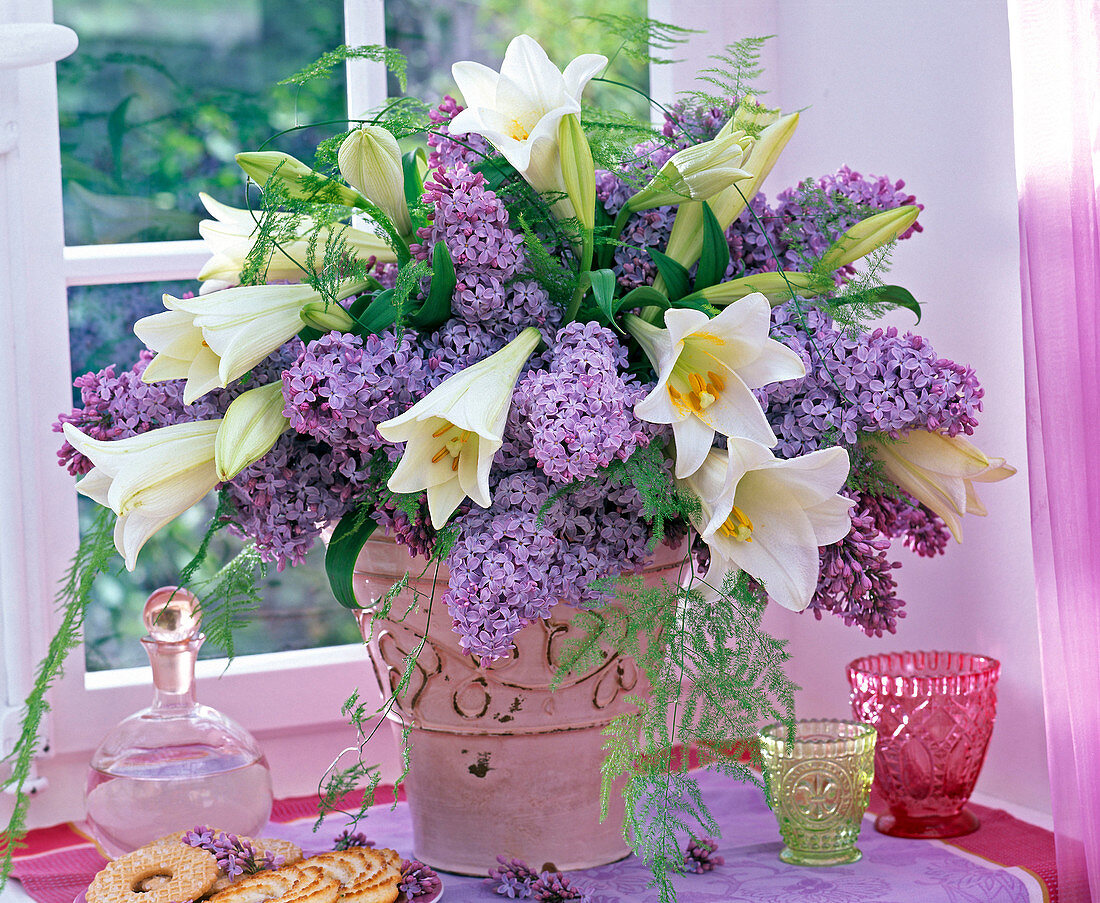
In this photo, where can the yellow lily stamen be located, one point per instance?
(696, 382)
(737, 526)
(716, 380)
(446, 428)
(440, 455)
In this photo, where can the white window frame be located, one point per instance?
(301, 731)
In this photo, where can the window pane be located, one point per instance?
(160, 96)
(298, 610)
(433, 35)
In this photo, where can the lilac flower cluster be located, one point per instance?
(855, 581)
(516, 880)
(877, 382)
(347, 839)
(492, 299)
(447, 152)
(903, 517)
(417, 879)
(341, 387)
(513, 880)
(576, 416)
(235, 855)
(700, 856)
(513, 562)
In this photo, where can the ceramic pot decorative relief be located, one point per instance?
(499, 764)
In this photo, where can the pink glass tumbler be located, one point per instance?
(934, 715)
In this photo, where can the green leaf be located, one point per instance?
(343, 549)
(410, 166)
(891, 295)
(603, 289)
(436, 308)
(715, 258)
(643, 296)
(675, 276)
(378, 314)
(496, 171)
(116, 134)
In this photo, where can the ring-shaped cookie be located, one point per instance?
(189, 873)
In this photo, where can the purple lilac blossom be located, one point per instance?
(921, 530)
(446, 151)
(347, 839)
(877, 382)
(700, 856)
(341, 387)
(491, 299)
(235, 855)
(508, 568)
(578, 415)
(417, 879)
(554, 887)
(855, 580)
(512, 880)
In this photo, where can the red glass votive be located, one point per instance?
(934, 715)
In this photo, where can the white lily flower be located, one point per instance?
(454, 431)
(148, 479)
(252, 424)
(370, 162)
(939, 472)
(214, 339)
(519, 108)
(768, 516)
(706, 371)
(696, 173)
(231, 234)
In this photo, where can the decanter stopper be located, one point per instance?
(172, 615)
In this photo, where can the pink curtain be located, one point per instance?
(1056, 100)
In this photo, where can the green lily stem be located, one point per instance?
(587, 250)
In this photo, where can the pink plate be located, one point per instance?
(433, 897)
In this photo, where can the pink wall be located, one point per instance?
(922, 92)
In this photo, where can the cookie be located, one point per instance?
(188, 874)
(256, 888)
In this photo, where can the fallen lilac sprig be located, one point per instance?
(235, 856)
(554, 887)
(346, 840)
(417, 879)
(514, 879)
(700, 857)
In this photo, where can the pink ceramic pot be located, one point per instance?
(499, 764)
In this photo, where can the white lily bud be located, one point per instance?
(370, 161)
(326, 317)
(577, 169)
(867, 235)
(300, 181)
(252, 424)
(696, 173)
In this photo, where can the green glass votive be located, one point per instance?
(818, 783)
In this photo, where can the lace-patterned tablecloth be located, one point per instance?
(892, 870)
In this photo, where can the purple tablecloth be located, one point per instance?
(892, 870)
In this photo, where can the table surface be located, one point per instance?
(991, 866)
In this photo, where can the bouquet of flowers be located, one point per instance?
(536, 349)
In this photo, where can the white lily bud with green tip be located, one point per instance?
(776, 287)
(577, 169)
(231, 235)
(148, 480)
(939, 471)
(453, 432)
(301, 182)
(370, 161)
(252, 424)
(696, 173)
(214, 339)
(867, 235)
(685, 243)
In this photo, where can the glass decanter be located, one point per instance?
(176, 764)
